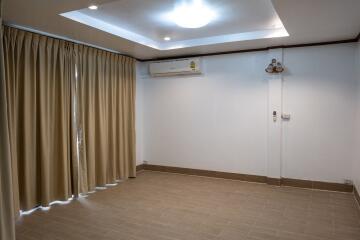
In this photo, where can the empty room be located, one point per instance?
(180, 120)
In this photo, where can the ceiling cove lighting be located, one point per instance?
(93, 7)
(192, 14)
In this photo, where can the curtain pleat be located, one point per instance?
(106, 95)
(7, 214)
(71, 119)
(39, 100)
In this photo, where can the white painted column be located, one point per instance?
(274, 126)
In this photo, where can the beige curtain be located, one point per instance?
(7, 216)
(106, 110)
(63, 99)
(39, 73)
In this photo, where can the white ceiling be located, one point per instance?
(149, 24)
(306, 21)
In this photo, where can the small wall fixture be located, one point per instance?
(274, 67)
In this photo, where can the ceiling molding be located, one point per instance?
(306, 22)
(356, 39)
(54, 36)
(149, 25)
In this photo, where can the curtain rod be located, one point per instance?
(62, 38)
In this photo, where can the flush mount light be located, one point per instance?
(93, 7)
(192, 14)
(167, 38)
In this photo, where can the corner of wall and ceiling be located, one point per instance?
(350, 40)
(356, 39)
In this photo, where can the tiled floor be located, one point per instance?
(163, 206)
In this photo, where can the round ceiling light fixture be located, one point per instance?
(192, 14)
(93, 7)
(167, 38)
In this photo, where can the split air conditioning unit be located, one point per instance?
(175, 67)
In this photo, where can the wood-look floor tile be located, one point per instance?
(163, 206)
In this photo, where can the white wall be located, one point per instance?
(319, 92)
(219, 120)
(356, 163)
(139, 117)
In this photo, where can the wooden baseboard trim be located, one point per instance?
(273, 181)
(338, 187)
(289, 182)
(357, 196)
(207, 173)
(140, 167)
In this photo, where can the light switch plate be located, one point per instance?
(285, 116)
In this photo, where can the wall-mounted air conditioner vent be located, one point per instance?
(175, 67)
